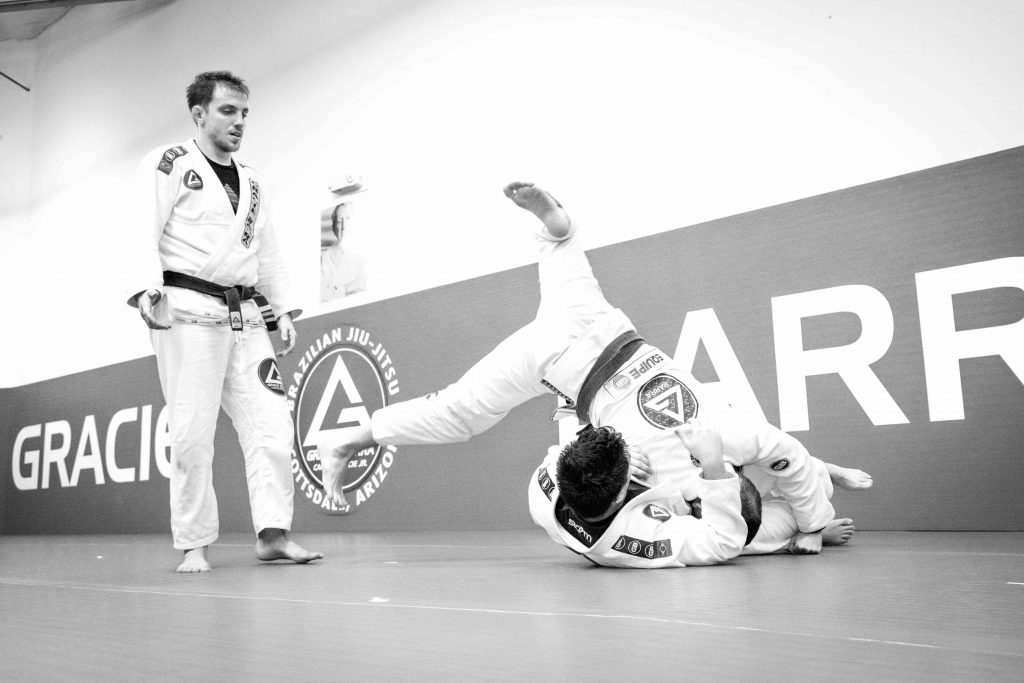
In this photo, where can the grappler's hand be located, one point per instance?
(288, 334)
(705, 444)
(639, 465)
(147, 305)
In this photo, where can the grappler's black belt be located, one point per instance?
(232, 296)
(607, 364)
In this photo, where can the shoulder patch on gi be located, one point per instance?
(666, 402)
(545, 482)
(250, 219)
(168, 157)
(638, 547)
(270, 377)
(780, 464)
(657, 512)
(192, 180)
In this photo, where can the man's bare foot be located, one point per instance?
(195, 562)
(849, 479)
(334, 457)
(805, 544)
(557, 224)
(274, 544)
(838, 531)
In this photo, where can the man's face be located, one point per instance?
(223, 120)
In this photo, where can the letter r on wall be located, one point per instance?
(852, 362)
(944, 346)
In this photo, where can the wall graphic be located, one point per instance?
(882, 324)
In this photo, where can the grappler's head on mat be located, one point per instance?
(593, 479)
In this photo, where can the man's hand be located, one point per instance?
(288, 334)
(639, 465)
(705, 443)
(147, 303)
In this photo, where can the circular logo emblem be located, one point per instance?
(270, 376)
(342, 378)
(620, 382)
(666, 402)
(634, 547)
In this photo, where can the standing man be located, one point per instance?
(215, 284)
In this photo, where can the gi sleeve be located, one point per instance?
(720, 532)
(272, 278)
(154, 191)
(786, 461)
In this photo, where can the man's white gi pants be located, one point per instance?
(202, 368)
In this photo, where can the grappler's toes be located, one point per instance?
(195, 562)
(557, 224)
(838, 531)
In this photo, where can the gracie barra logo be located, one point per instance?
(250, 218)
(666, 402)
(192, 180)
(270, 376)
(342, 378)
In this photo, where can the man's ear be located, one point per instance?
(198, 115)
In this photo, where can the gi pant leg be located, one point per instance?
(510, 375)
(192, 360)
(264, 425)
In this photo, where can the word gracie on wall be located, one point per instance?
(943, 346)
(42, 450)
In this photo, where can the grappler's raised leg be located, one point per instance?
(507, 370)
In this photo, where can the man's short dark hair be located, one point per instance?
(200, 91)
(592, 470)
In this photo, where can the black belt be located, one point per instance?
(232, 296)
(607, 364)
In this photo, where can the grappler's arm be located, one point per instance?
(721, 531)
(787, 462)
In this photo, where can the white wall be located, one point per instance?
(642, 116)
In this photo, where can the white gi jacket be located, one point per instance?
(192, 229)
(650, 395)
(653, 529)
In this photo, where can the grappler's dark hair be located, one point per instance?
(592, 470)
(200, 91)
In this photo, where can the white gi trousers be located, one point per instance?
(203, 368)
(511, 374)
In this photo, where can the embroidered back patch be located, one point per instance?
(666, 402)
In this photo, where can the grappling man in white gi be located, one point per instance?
(213, 284)
(586, 351)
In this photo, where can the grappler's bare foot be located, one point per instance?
(195, 562)
(838, 531)
(274, 544)
(849, 479)
(557, 224)
(806, 544)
